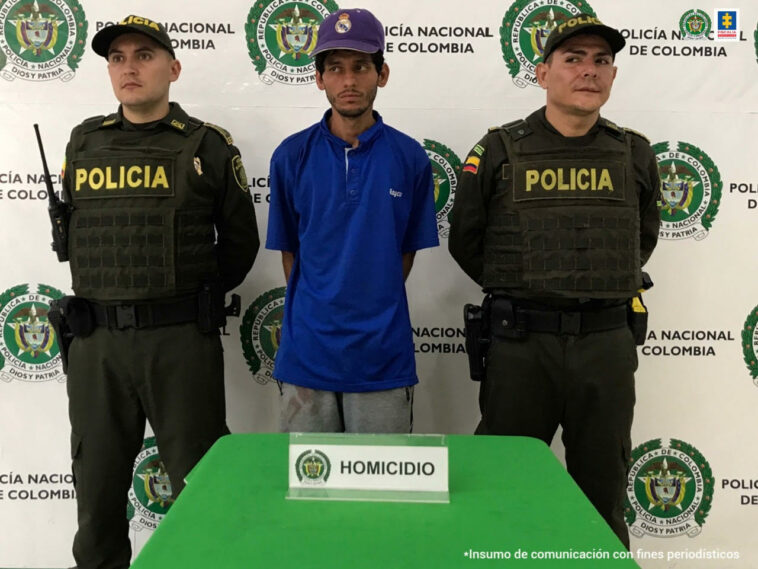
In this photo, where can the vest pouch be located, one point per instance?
(142, 228)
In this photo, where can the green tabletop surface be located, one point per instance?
(511, 503)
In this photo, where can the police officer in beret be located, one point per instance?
(554, 217)
(162, 226)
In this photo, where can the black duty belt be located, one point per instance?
(506, 314)
(120, 316)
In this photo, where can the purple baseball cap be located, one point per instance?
(355, 29)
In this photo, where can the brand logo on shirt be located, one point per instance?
(750, 343)
(261, 331)
(524, 31)
(28, 347)
(396, 194)
(281, 36)
(690, 190)
(150, 496)
(446, 169)
(41, 40)
(669, 490)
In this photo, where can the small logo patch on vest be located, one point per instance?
(555, 179)
(121, 177)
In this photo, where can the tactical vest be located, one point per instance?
(142, 226)
(564, 220)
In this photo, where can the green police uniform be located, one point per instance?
(161, 211)
(556, 230)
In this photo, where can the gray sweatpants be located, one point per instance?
(316, 411)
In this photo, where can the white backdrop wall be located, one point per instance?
(697, 392)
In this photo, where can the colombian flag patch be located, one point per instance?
(471, 165)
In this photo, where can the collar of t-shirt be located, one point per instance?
(364, 138)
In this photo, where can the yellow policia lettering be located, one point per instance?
(584, 19)
(121, 177)
(140, 21)
(578, 179)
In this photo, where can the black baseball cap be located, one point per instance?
(582, 24)
(130, 25)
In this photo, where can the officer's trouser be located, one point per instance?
(585, 383)
(174, 377)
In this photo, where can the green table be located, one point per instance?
(506, 494)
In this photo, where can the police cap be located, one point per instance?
(582, 24)
(129, 25)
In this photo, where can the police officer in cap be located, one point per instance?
(162, 225)
(554, 217)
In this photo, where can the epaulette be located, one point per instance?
(613, 129)
(92, 123)
(517, 129)
(494, 128)
(634, 132)
(224, 133)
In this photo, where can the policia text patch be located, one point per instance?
(123, 177)
(569, 179)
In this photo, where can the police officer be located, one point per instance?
(161, 226)
(554, 217)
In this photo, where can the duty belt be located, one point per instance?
(507, 315)
(120, 316)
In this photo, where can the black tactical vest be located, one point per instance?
(142, 225)
(564, 220)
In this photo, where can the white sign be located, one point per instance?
(362, 467)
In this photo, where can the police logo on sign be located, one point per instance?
(524, 31)
(690, 191)
(28, 347)
(446, 168)
(260, 333)
(41, 40)
(280, 37)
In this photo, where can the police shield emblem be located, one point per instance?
(33, 335)
(677, 192)
(296, 36)
(665, 489)
(157, 485)
(539, 33)
(36, 34)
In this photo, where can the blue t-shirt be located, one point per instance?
(348, 215)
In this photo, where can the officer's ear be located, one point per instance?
(176, 70)
(541, 71)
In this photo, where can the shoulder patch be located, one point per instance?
(634, 132)
(224, 133)
(613, 129)
(240, 175)
(92, 123)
